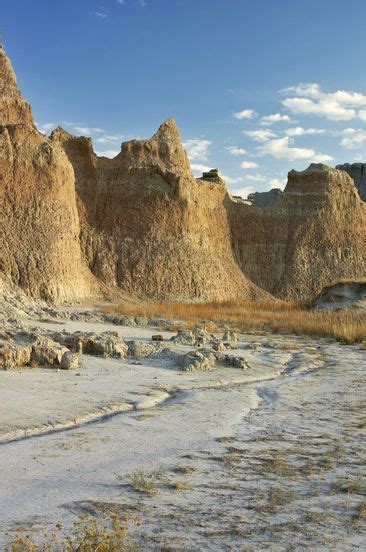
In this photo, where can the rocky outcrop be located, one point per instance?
(264, 200)
(13, 108)
(149, 227)
(74, 224)
(345, 294)
(357, 172)
(213, 176)
(313, 234)
(39, 235)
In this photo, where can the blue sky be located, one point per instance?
(257, 87)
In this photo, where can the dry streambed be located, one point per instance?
(268, 455)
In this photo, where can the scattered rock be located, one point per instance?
(229, 335)
(197, 361)
(142, 349)
(231, 360)
(70, 361)
(106, 344)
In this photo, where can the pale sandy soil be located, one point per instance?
(273, 457)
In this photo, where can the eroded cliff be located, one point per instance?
(74, 224)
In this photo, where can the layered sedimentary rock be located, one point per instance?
(357, 172)
(74, 224)
(264, 200)
(149, 226)
(313, 234)
(39, 234)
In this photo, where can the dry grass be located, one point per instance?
(109, 534)
(275, 316)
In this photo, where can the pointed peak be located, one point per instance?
(13, 108)
(167, 131)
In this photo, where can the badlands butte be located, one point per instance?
(75, 225)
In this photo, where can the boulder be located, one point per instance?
(197, 361)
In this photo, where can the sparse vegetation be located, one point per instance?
(275, 316)
(180, 485)
(361, 511)
(109, 534)
(142, 481)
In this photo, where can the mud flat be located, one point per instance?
(271, 457)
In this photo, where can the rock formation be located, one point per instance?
(345, 294)
(314, 233)
(39, 233)
(74, 224)
(357, 171)
(149, 227)
(212, 176)
(263, 200)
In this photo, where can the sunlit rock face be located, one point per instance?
(149, 227)
(39, 234)
(75, 224)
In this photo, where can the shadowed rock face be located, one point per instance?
(76, 224)
(357, 172)
(264, 200)
(315, 231)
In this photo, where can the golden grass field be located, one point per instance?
(274, 316)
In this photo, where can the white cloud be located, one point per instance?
(353, 138)
(245, 114)
(281, 149)
(232, 179)
(99, 14)
(197, 149)
(261, 135)
(276, 183)
(198, 168)
(234, 150)
(243, 192)
(108, 139)
(299, 131)
(309, 99)
(120, 2)
(256, 177)
(275, 118)
(362, 114)
(45, 128)
(248, 165)
(87, 131)
(109, 153)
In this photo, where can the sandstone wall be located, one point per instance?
(39, 233)
(149, 227)
(73, 224)
(314, 234)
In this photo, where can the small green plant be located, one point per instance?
(142, 481)
(109, 534)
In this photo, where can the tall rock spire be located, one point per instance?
(13, 108)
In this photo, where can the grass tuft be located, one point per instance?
(109, 534)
